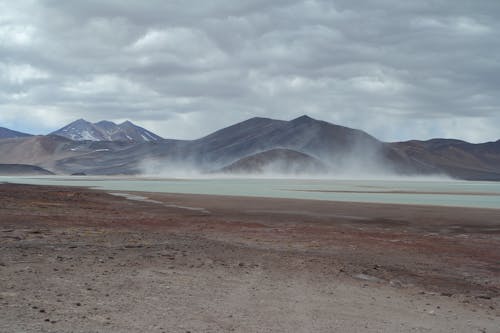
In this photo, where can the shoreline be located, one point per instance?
(332, 201)
(427, 267)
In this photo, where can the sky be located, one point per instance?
(397, 69)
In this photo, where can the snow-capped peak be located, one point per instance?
(82, 130)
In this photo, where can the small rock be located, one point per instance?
(367, 277)
(484, 296)
(395, 283)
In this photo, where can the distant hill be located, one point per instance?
(255, 145)
(22, 170)
(6, 133)
(277, 161)
(456, 158)
(34, 150)
(82, 130)
(79, 156)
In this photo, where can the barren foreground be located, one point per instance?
(78, 260)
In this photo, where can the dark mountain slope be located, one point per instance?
(230, 143)
(6, 133)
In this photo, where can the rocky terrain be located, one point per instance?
(78, 260)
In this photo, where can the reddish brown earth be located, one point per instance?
(79, 260)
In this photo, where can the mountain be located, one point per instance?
(255, 145)
(34, 150)
(456, 158)
(22, 170)
(330, 143)
(282, 161)
(82, 130)
(6, 133)
(47, 152)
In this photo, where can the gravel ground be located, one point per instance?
(78, 260)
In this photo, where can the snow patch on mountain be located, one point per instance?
(82, 130)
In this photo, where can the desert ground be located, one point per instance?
(81, 260)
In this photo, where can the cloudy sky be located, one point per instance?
(396, 69)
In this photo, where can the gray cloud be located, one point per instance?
(398, 70)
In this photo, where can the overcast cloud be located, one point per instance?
(396, 69)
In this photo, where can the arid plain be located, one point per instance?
(80, 260)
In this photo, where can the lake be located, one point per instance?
(394, 191)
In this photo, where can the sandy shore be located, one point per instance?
(79, 260)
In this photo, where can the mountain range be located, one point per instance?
(258, 145)
(82, 130)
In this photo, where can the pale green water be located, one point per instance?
(441, 193)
